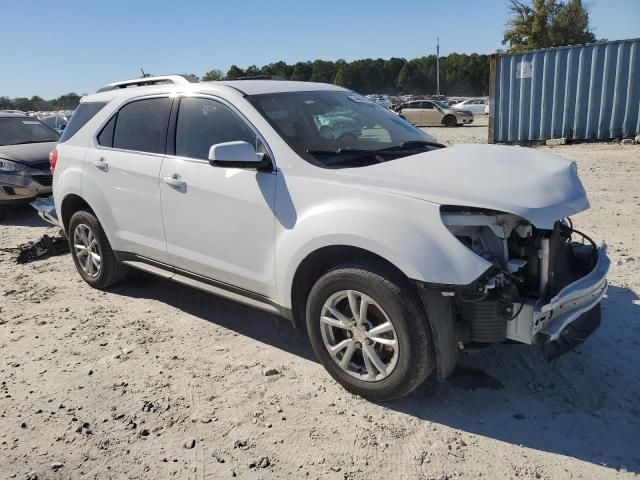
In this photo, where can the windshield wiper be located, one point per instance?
(408, 145)
(411, 145)
(343, 151)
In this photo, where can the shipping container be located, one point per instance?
(582, 92)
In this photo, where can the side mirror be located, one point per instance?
(237, 155)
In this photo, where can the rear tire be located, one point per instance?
(450, 121)
(397, 356)
(4, 211)
(92, 254)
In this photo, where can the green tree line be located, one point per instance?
(68, 101)
(460, 74)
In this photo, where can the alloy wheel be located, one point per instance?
(87, 250)
(359, 335)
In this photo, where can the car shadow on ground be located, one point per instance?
(23, 216)
(583, 405)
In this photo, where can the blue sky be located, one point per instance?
(54, 47)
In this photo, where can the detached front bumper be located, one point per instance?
(568, 318)
(574, 313)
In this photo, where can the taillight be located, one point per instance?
(53, 159)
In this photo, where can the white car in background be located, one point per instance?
(474, 105)
(393, 250)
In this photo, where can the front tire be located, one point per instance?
(368, 330)
(4, 211)
(92, 253)
(450, 121)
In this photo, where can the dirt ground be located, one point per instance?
(154, 380)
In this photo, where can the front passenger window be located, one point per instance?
(204, 122)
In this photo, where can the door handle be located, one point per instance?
(174, 181)
(102, 164)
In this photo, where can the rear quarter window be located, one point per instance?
(80, 117)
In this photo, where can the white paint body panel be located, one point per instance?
(252, 230)
(125, 195)
(221, 224)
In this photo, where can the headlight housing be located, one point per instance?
(7, 166)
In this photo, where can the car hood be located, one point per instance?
(28, 153)
(535, 185)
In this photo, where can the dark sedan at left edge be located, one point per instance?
(25, 143)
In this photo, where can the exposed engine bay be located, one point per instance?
(514, 299)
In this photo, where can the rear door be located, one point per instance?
(121, 177)
(412, 113)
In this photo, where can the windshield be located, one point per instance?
(19, 130)
(335, 129)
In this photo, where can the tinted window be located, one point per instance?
(82, 114)
(203, 122)
(142, 125)
(105, 138)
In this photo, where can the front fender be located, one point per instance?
(405, 231)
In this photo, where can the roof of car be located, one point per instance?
(257, 87)
(246, 87)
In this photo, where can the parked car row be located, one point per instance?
(314, 203)
(56, 120)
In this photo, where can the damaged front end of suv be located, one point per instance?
(544, 285)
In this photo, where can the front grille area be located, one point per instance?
(41, 165)
(45, 180)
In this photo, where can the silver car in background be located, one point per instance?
(424, 113)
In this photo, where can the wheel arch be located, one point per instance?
(70, 205)
(321, 260)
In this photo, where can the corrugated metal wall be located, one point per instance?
(587, 92)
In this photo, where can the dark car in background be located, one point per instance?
(25, 143)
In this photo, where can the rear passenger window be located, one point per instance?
(203, 122)
(79, 118)
(105, 138)
(142, 125)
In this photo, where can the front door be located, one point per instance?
(219, 222)
(429, 114)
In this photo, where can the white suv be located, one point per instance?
(392, 250)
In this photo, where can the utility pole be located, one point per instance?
(437, 66)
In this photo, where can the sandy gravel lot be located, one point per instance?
(154, 380)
